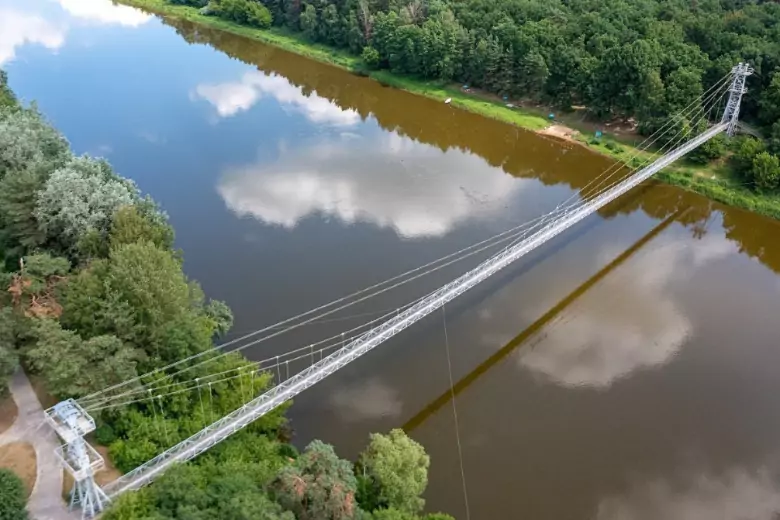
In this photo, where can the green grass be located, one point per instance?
(712, 181)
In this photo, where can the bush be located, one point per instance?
(766, 171)
(13, 496)
(742, 161)
(245, 12)
(370, 57)
(394, 473)
(613, 146)
(709, 151)
(774, 139)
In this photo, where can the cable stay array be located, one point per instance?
(301, 366)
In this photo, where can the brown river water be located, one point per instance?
(626, 370)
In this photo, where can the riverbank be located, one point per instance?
(714, 181)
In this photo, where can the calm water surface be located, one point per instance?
(627, 370)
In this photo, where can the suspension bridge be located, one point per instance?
(72, 419)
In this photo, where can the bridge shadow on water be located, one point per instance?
(434, 406)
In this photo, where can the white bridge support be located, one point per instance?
(293, 386)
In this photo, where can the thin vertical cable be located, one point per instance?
(200, 397)
(162, 413)
(455, 415)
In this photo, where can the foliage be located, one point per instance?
(766, 171)
(140, 295)
(142, 431)
(742, 160)
(370, 57)
(30, 150)
(229, 489)
(709, 151)
(774, 141)
(73, 367)
(395, 514)
(140, 223)
(7, 98)
(221, 315)
(13, 496)
(80, 197)
(9, 358)
(770, 101)
(27, 141)
(317, 485)
(245, 12)
(395, 469)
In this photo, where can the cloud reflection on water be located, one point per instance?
(370, 399)
(597, 342)
(390, 181)
(104, 12)
(736, 494)
(232, 97)
(19, 28)
(36, 24)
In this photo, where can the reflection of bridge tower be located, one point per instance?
(71, 423)
(736, 91)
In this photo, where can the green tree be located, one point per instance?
(245, 12)
(141, 295)
(13, 496)
(226, 490)
(221, 315)
(317, 485)
(774, 140)
(9, 357)
(141, 223)
(396, 468)
(743, 158)
(770, 101)
(766, 171)
(73, 367)
(309, 22)
(7, 97)
(682, 87)
(28, 142)
(370, 57)
(534, 72)
(80, 197)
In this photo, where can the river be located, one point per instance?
(627, 370)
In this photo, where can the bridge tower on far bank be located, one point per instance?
(736, 91)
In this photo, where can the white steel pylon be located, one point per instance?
(71, 423)
(736, 91)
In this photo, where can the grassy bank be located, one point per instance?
(712, 181)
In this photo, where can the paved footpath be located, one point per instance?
(46, 501)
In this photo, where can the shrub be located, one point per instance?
(766, 171)
(13, 497)
(246, 12)
(370, 57)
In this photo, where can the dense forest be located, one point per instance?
(642, 60)
(94, 294)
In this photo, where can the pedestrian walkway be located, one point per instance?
(45, 502)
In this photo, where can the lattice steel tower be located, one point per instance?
(71, 423)
(736, 91)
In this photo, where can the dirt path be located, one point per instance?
(45, 501)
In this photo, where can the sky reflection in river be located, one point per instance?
(49, 27)
(596, 343)
(384, 179)
(231, 98)
(734, 494)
